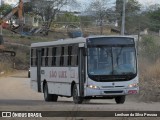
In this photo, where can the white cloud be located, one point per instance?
(149, 2)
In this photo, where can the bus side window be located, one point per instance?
(62, 57)
(42, 53)
(46, 56)
(66, 56)
(74, 56)
(69, 55)
(42, 57)
(32, 52)
(54, 56)
(50, 57)
(33, 58)
(58, 55)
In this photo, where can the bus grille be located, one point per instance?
(108, 92)
(113, 86)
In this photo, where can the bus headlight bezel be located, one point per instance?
(93, 87)
(133, 85)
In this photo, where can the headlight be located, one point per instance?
(93, 86)
(133, 85)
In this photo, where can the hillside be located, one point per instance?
(149, 56)
(21, 45)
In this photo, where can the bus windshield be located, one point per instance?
(108, 60)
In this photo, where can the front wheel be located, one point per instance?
(49, 97)
(76, 98)
(120, 99)
(86, 101)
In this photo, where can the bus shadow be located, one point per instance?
(92, 103)
(85, 103)
(19, 102)
(19, 76)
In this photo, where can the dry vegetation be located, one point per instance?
(149, 61)
(149, 81)
(21, 45)
(6, 66)
(149, 70)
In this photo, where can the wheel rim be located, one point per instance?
(45, 93)
(75, 94)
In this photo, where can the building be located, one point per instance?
(32, 20)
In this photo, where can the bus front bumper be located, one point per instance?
(111, 92)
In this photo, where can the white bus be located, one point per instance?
(99, 67)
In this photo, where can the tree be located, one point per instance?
(153, 7)
(154, 23)
(68, 17)
(132, 6)
(48, 9)
(150, 18)
(28, 7)
(99, 9)
(132, 13)
(86, 21)
(5, 9)
(150, 48)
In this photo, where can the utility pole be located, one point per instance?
(1, 21)
(123, 18)
(20, 15)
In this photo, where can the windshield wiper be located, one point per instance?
(117, 59)
(127, 73)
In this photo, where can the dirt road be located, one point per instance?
(16, 95)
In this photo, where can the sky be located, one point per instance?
(85, 3)
(143, 2)
(149, 2)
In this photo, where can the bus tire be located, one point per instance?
(29, 74)
(86, 101)
(120, 99)
(54, 97)
(76, 98)
(49, 97)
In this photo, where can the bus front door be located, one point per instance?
(81, 71)
(39, 70)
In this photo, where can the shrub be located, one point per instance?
(149, 71)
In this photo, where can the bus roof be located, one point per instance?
(130, 36)
(74, 40)
(60, 42)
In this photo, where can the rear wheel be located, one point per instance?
(120, 99)
(49, 97)
(86, 101)
(29, 74)
(76, 98)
